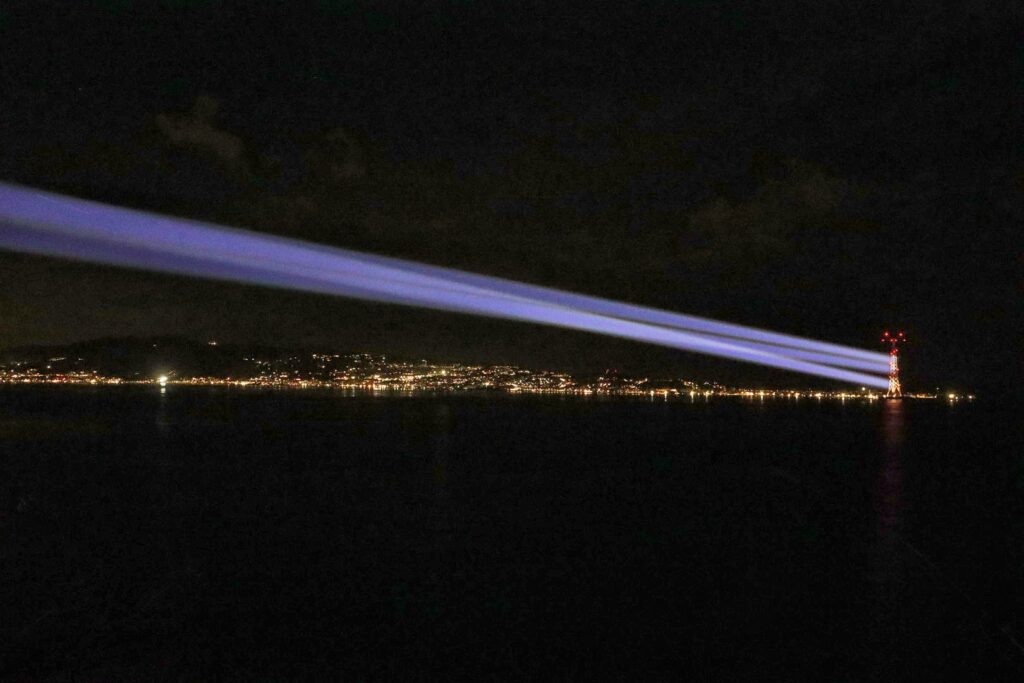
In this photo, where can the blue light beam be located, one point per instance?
(49, 224)
(97, 220)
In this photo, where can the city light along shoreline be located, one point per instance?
(370, 374)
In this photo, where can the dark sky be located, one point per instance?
(824, 168)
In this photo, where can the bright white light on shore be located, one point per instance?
(162, 379)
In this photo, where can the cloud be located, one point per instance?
(196, 130)
(800, 199)
(341, 155)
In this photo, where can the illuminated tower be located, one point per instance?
(894, 342)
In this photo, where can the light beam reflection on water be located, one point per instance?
(888, 571)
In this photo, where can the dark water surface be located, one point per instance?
(224, 534)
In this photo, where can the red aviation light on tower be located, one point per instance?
(894, 340)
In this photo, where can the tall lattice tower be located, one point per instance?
(894, 341)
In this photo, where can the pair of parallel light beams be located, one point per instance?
(44, 223)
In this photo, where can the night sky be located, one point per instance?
(822, 168)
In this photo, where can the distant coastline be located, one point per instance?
(164, 361)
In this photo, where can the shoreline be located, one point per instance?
(485, 392)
